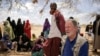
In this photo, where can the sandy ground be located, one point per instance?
(36, 29)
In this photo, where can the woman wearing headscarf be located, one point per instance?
(19, 28)
(37, 49)
(14, 26)
(8, 30)
(27, 29)
(46, 27)
(8, 34)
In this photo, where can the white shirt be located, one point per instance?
(54, 31)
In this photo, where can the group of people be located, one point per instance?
(16, 35)
(64, 38)
(93, 30)
(61, 38)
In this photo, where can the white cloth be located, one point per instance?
(54, 31)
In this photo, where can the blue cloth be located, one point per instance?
(84, 50)
(7, 41)
(69, 45)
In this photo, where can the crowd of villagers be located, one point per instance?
(17, 36)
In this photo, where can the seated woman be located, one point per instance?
(23, 43)
(37, 48)
(6, 40)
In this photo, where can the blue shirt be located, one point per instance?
(67, 51)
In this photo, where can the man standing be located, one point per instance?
(73, 44)
(96, 32)
(57, 29)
